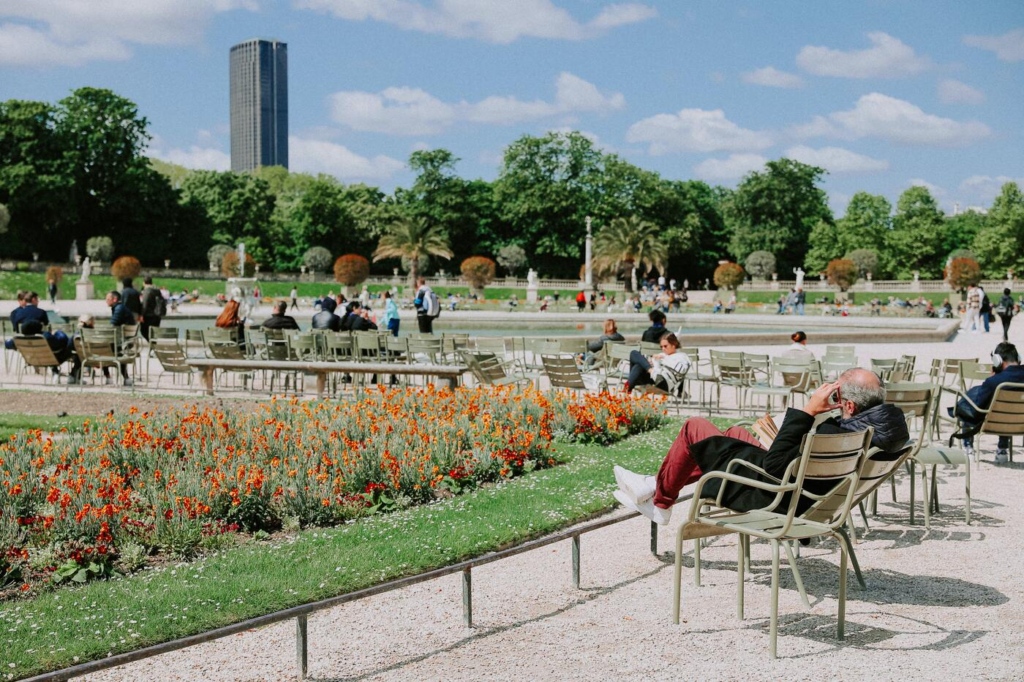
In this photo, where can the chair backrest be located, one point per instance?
(883, 367)
(303, 346)
(426, 348)
(833, 466)
(338, 346)
(489, 344)
(163, 332)
(172, 357)
(1005, 416)
(841, 353)
(758, 365)
(36, 351)
(972, 373)
(650, 347)
(562, 372)
(729, 367)
(795, 374)
(574, 345)
(487, 368)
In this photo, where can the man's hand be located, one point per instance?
(822, 399)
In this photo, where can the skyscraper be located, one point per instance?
(259, 104)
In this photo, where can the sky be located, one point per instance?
(882, 94)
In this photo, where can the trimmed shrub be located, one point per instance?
(729, 276)
(229, 265)
(126, 266)
(216, 254)
(478, 271)
(962, 273)
(351, 269)
(54, 273)
(317, 259)
(760, 264)
(841, 273)
(100, 248)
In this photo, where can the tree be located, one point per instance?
(317, 259)
(633, 242)
(100, 248)
(962, 229)
(841, 273)
(962, 273)
(760, 264)
(413, 239)
(546, 188)
(866, 224)
(915, 240)
(998, 243)
(229, 265)
(351, 269)
(866, 261)
(126, 267)
(775, 211)
(237, 207)
(5, 219)
(478, 271)
(512, 258)
(729, 276)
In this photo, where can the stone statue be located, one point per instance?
(531, 278)
(86, 270)
(799, 272)
(73, 254)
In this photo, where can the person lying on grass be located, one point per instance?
(701, 446)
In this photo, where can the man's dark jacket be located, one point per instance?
(714, 454)
(281, 322)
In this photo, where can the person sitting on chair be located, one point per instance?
(657, 329)
(1006, 368)
(644, 372)
(701, 446)
(278, 319)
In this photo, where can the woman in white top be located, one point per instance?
(799, 350)
(643, 371)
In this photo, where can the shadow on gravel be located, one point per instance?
(919, 635)
(483, 632)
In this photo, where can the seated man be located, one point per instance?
(657, 329)
(357, 318)
(326, 319)
(1006, 369)
(278, 319)
(701, 447)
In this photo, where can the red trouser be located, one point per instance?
(679, 467)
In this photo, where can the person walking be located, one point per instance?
(973, 306)
(51, 289)
(154, 307)
(295, 298)
(985, 308)
(1005, 309)
(391, 316)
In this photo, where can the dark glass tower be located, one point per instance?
(259, 104)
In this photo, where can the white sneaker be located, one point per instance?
(636, 486)
(1002, 456)
(657, 514)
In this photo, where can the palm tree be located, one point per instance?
(634, 242)
(411, 240)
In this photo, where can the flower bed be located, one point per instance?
(75, 506)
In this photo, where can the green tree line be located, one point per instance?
(78, 169)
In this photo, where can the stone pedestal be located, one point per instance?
(84, 291)
(531, 294)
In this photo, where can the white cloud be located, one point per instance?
(954, 92)
(494, 21)
(1008, 47)
(985, 188)
(413, 111)
(773, 78)
(937, 192)
(888, 58)
(895, 120)
(319, 156)
(202, 158)
(695, 130)
(731, 168)
(74, 32)
(836, 159)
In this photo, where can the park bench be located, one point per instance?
(447, 374)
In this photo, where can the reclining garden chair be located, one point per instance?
(835, 458)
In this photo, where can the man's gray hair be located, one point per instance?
(861, 387)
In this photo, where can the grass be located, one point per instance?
(62, 627)
(11, 423)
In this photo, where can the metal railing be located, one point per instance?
(301, 613)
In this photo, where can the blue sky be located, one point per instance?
(884, 95)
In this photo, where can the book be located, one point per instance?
(765, 429)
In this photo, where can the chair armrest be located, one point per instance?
(778, 489)
(753, 467)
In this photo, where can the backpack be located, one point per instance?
(161, 305)
(431, 305)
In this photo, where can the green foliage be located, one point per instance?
(915, 241)
(962, 229)
(729, 276)
(5, 219)
(998, 243)
(413, 239)
(866, 261)
(317, 259)
(100, 248)
(775, 211)
(841, 273)
(237, 208)
(351, 269)
(635, 243)
(512, 258)
(760, 264)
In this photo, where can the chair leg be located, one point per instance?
(841, 626)
(863, 515)
(926, 490)
(740, 576)
(677, 577)
(913, 480)
(796, 573)
(853, 558)
(696, 562)
(774, 626)
(967, 492)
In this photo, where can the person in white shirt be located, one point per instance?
(798, 350)
(644, 372)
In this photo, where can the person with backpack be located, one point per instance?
(154, 307)
(1006, 309)
(986, 308)
(428, 307)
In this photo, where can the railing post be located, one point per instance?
(467, 596)
(301, 644)
(576, 561)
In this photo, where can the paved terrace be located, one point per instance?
(943, 603)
